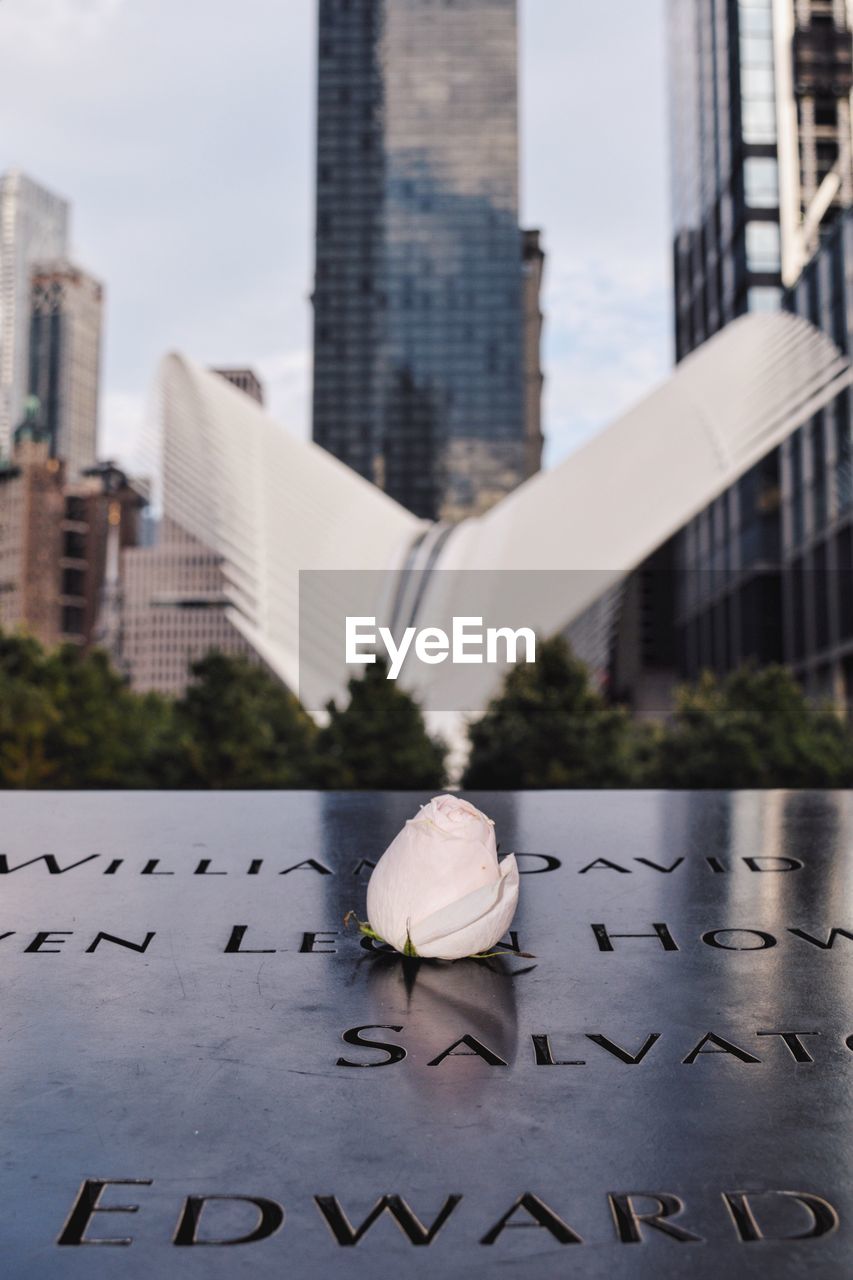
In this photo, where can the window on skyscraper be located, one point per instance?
(759, 120)
(757, 82)
(763, 298)
(762, 246)
(758, 107)
(761, 182)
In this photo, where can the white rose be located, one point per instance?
(438, 890)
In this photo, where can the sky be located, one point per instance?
(182, 133)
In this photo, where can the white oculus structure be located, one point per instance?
(268, 505)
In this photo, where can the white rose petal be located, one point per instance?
(472, 924)
(439, 887)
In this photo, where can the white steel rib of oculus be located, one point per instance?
(271, 505)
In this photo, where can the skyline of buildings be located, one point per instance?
(68, 524)
(420, 260)
(420, 376)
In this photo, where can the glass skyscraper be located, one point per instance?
(762, 188)
(419, 352)
(761, 150)
(33, 229)
(65, 359)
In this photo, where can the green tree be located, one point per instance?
(548, 727)
(753, 728)
(103, 735)
(27, 716)
(21, 657)
(379, 740)
(237, 726)
(67, 719)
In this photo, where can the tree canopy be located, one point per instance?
(549, 727)
(239, 727)
(69, 720)
(379, 739)
(754, 728)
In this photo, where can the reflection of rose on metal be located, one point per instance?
(439, 891)
(438, 1004)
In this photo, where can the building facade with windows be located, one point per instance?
(767, 570)
(57, 535)
(64, 360)
(174, 609)
(33, 229)
(762, 178)
(763, 573)
(419, 306)
(760, 150)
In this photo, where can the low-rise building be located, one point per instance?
(58, 537)
(174, 611)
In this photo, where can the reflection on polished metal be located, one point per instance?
(197, 1055)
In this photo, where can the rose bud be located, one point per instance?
(438, 890)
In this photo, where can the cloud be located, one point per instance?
(121, 427)
(287, 380)
(55, 29)
(595, 181)
(607, 344)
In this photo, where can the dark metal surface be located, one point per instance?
(210, 1072)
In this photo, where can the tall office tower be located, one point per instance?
(33, 228)
(64, 360)
(418, 307)
(761, 150)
